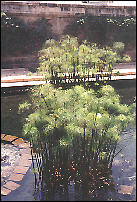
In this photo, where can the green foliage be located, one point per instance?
(118, 46)
(77, 114)
(132, 109)
(122, 29)
(126, 58)
(68, 56)
(35, 171)
(24, 106)
(122, 22)
(7, 22)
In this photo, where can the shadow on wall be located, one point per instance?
(105, 31)
(19, 37)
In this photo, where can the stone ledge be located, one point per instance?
(2, 136)
(11, 185)
(25, 79)
(23, 165)
(18, 142)
(8, 138)
(16, 177)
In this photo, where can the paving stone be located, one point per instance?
(3, 181)
(25, 163)
(6, 173)
(124, 189)
(16, 177)
(18, 141)
(5, 191)
(15, 174)
(10, 145)
(11, 185)
(2, 135)
(25, 151)
(28, 143)
(21, 169)
(26, 156)
(9, 138)
(24, 145)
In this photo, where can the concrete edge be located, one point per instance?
(15, 80)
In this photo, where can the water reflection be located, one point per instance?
(71, 173)
(74, 173)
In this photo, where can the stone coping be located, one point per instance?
(21, 78)
(20, 168)
(33, 83)
(24, 78)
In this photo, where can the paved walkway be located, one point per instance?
(13, 175)
(23, 77)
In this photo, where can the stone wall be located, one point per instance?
(30, 62)
(60, 14)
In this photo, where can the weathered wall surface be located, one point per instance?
(59, 16)
(28, 61)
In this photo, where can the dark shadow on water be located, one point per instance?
(71, 173)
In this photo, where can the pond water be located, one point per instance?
(123, 168)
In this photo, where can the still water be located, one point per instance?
(123, 169)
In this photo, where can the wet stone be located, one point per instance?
(24, 145)
(25, 151)
(5, 191)
(2, 136)
(9, 138)
(15, 162)
(16, 177)
(21, 169)
(25, 163)
(10, 156)
(18, 141)
(124, 189)
(11, 185)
